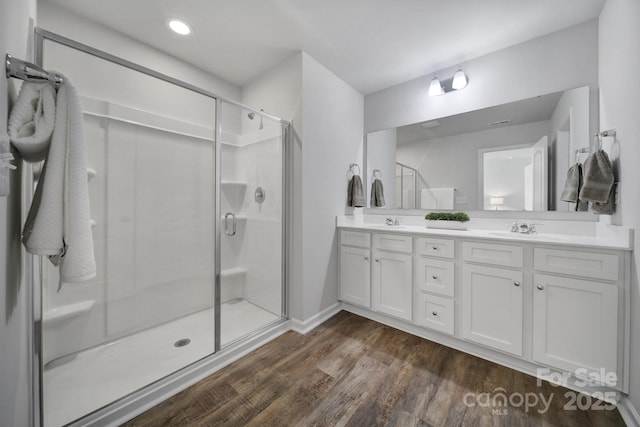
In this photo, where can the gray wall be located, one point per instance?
(620, 109)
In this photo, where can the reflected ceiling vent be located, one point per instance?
(431, 124)
(499, 122)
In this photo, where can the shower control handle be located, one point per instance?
(231, 232)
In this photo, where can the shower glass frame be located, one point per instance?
(33, 264)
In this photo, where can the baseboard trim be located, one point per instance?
(306, 326)
(628, 412)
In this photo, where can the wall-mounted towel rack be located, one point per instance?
(608, 132)
(19, 69)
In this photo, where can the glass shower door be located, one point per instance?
(251, 222)
(150, 310)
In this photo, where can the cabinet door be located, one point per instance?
(392, 285)
(492, 307)
(355, 276)
(575, 324)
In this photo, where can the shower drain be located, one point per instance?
(182, 342)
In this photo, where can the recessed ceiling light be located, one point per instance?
(179, 27)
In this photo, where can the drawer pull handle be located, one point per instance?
(366, 258)
(377, 260)
(435, 313)
(540, 287)
(516, 283)
(435, 277)
(435, 248)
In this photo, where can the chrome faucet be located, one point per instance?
(523, 228)
(391, 221)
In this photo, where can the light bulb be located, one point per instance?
(460, 80)
(435, 88)
(179, 27)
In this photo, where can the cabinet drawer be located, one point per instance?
(392, 242)
(434, 275)
(355, 238)
(489, 253)
(576, 263)
(435, 313)
(436, 247)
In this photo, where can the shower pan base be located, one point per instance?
(76, 388)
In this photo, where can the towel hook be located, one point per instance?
(377, 174)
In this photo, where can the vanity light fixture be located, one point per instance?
(459, 81)
(179, 27)
(435, 88)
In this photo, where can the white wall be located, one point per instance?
(620, 108)
(16, 21)
(562, 60)
(332, 139)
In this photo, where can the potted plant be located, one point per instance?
(448, 220)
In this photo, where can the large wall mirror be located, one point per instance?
(511, 157)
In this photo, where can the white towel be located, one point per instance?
(31, 121)
(5, 164)
(58, 224)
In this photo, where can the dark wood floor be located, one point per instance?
(351, 371)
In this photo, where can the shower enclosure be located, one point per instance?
(188, 218)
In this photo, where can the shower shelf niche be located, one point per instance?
(59, 314)
(233, 272)
(236, 185)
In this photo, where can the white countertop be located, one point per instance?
(592, 235)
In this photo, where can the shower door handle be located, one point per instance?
(233, 224)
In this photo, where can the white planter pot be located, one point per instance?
(449, 225)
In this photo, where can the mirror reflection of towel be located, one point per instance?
(572, 187)
(377, 194)
(355, 192)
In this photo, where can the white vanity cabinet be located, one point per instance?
(576, 312)
(392, 284)
(521, 302)
(355, 268)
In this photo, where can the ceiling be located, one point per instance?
(530, 110)
(370, 44)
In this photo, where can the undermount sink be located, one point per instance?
(390, 227)
(532, 236)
